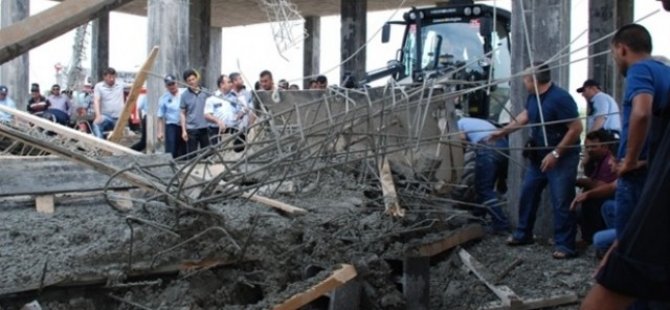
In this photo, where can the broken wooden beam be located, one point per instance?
(337, 279)
(388, 189)
(504, 293)
(117, 133)
(273, 203)
(20, 37)
(456, 238)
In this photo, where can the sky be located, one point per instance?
(128, 45)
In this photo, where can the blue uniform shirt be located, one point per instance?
(557, 105)
(647, 77)
(168, 107)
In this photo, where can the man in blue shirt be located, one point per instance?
(169, 112)
(553, 158)
(490, 164)
(638, 264)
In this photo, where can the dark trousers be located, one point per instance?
(142, 144)
(240, 140)
(197, 139)
(590, 218)
(174, 144)
(213, 135)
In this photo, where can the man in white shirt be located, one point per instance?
(8, 102)
(107, 102)
(227, 113)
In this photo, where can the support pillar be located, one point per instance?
(199, 36)
(99, 46)
(311, 61)
(353, 15)
(15, 73)
(549, 25)
(214, 64)
(606, 17)
(171, 16)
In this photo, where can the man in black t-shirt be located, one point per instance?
(37, 103)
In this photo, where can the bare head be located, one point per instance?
(224, 83)
(266, 81)
(236, 81)
(109, 76)
(666, 4)
(539, 73)
(630, 44)
(192, 78)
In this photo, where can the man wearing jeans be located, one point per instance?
(490, 163)
(107, 103)
(552, 160)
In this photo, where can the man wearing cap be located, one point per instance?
(37, 103)
(59, 105)
(6, 101)
(169, 125)
(602, 110)
(192, 105)
(107, 102)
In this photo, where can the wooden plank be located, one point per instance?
(123, 200)
(273, 203)
(460, 236)
(70, 133)
(52, 175)
(536, 303)
(335, 280)
(45, 204)
(504, 293)
(388, 189)
(141, 77)
(20, 37)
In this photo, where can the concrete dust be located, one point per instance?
(279, 256)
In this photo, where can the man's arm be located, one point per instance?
(514, 125)
(571, 136)
(638, 128)
(96, 109)
(598, 123)
(602, 191)
(182, 120)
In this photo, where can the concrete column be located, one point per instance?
(171, 17)
(99, 46)
(311, 61)
(214, 64)
(606, 17)
(353, 15)
(548, 22)
(199, 37)
(15, 73)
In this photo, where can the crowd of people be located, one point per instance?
(622, 208)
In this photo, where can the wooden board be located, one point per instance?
(52, 175)
(45, 204)
(66, 132)
(273, 203)
(337, 279)
(505, 294)
(22, 36)
(388, 189)
(141, 77)
(460, 236)
(536, 303)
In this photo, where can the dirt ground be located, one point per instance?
(267, 258)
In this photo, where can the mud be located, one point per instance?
(278, 255)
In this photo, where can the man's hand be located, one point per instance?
(578, 200)
(98, 119)
(159, 136)
(548, 163)
(497, 135)
(606, 257)
(184, 135)
(626, 166)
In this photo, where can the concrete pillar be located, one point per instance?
(214, 64)
(171, 17)
(15, 73)
(548, 22)
(604, 18)
(199, 36)
(353, 15)
(99, 46)
(311, 61)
